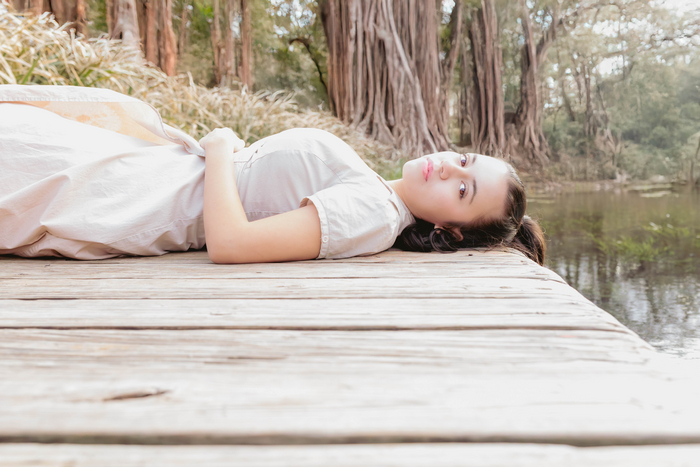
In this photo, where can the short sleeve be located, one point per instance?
(355, 220)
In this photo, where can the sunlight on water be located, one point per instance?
(635, 253)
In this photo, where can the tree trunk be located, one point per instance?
(126, 23)
(109, 17)
(246, 45)
(159, 42)
(228, 55)
(36, 6)
(487, 112)
(417, 25)
(528, 113)
(166, 40)
(567, 101)
(60, 10)
(80, 17)
(448, 67)
(589, 124)
(151, 39)
(216, 42)
(528, 119)
(466, 98)
(65, 11)
(565, 95)
(384, 70)
(184, 18)
(691, 174)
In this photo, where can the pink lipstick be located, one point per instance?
(427, 168)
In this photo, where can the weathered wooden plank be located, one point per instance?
(75, 270)
(282, 387)
(473, 346)
(284, 288)
(504, 256)
(338, 377)
(356, 314)
(382, 455)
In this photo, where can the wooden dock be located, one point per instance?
(472, 358)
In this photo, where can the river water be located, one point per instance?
(634, 252)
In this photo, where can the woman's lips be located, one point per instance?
(427, 168)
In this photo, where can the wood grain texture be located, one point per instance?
(356, 313)
(389, 455)
(295, 387)
(470, 347)
(302, 288)
(197, 264)
(317, 270)
(467, 277)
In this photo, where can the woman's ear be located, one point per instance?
(453, 230)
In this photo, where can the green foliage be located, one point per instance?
(644, 92)
(641, 250)
(656, 241)
(97, 19)
(284, 63)
(198, 57)
(650, 113)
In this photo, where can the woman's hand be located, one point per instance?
(222, 140)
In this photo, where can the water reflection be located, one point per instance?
(636, 254)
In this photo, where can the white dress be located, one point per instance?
(91, 174)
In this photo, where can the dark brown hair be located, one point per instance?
(514, 230)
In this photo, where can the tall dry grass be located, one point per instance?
(36, 50)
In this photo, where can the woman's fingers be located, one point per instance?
(238, 144)
(223, 136)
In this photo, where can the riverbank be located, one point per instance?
(653, 187)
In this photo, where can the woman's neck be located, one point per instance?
(399, 187)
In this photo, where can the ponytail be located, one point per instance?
(424, 237)
(529, 240)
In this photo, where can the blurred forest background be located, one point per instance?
(567, 90)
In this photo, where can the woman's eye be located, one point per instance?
(462, 189)
(463, 159)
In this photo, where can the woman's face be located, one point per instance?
(447, 188)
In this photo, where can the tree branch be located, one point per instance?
(307, 44)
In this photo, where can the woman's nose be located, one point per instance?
(447, 169)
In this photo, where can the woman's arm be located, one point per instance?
(291, 236)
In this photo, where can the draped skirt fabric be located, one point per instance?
(75, 185)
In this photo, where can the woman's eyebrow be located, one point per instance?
(473, 181)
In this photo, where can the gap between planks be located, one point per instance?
(412, 455)
(577, 441)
